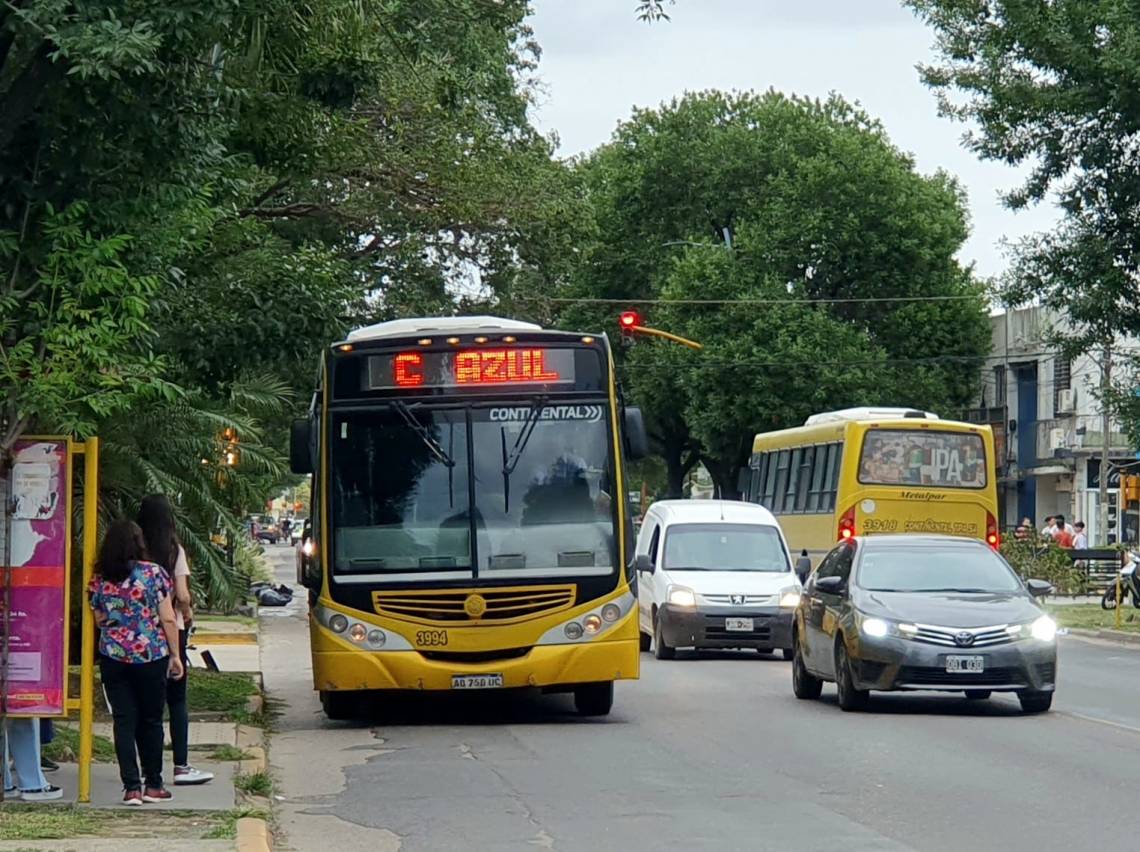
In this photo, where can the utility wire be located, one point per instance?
(575, 300)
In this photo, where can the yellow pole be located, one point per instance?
(676, 338)
(87, 622)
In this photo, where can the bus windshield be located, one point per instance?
(543, 490)
(923, 458)
(542, 473)
(399, 491)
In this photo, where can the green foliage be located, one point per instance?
(830, 259)
(64, 747)
(219, 692)
(1034, 560)
(254, 784)
(229, 753)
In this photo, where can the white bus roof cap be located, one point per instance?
(414, 326)
(869, 414)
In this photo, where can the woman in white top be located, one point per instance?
(156, 518)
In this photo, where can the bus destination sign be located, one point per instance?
(469, 368)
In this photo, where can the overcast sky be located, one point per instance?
(599, 61)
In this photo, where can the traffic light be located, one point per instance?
(1129, 490)
(627, 322)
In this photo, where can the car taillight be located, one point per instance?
(993, 536)
(847, 525)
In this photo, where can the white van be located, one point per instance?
(714, 574)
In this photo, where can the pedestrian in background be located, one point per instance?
(21, 747)
(156, 519)
(47, 734)
(131, 599)
(1050, 527)
(1061, 535)
(1080, 540)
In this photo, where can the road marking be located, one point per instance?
(1118, 725)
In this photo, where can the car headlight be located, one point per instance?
(1044, 629)
(682, 596)
(790, 599)
(307, 548)
(876, 628)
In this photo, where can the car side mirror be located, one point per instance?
(1039, 588)
(636, 438)
(300, 447)
(830, 585)
(642, 562)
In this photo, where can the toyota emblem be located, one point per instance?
(964, 639)
(737, 600)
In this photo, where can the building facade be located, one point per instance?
(1046, 414)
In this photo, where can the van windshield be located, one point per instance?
(725, 547)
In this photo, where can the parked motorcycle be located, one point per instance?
(1129, 585)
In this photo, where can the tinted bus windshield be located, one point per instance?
(541, 476)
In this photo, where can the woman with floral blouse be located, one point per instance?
(131, 598)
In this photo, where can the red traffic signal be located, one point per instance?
(629, 319)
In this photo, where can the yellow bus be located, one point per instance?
(869, 471)
(470, 527)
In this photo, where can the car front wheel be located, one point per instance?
(850, 698)
(804, 684)
(1035, 702)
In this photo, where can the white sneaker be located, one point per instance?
(188, 775)
(45, 794)
(11, 793)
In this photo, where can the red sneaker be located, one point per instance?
(157, 796)
(133, 798)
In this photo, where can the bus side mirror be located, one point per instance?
(300, 440)
(636, 438)
(743, 480)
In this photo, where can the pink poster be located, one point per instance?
(37, 645)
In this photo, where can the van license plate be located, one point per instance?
(965, 665)
(742, 625)
(486, 681)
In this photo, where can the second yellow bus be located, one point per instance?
(869, 471)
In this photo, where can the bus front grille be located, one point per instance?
(474, 606)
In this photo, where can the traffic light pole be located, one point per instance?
(656, 332)
(1106, 425)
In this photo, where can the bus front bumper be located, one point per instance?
(541, 666)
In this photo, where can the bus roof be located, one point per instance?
(437, 325)
(869, 414)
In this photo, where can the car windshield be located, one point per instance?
(543, 490)
(725, 547)
(934, 568)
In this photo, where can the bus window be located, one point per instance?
(769, 495)
(804, 484)
(834, 466)
(816, 497)
(922, 458)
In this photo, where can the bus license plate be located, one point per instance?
(742, 625)
(965, 665)
(484, 681)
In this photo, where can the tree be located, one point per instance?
(805, 208)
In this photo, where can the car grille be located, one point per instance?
(475, 605)
(935, 676)
(984, 637)
(716, 632)
(742, 600)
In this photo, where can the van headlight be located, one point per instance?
(790, 598)
(682, 596)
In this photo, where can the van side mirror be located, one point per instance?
(300, 447)
(636, 438)
(642, 562)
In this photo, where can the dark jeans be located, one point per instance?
(176, 704)
(137, 692)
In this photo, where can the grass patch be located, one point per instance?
(64, 747)
(245, 620)
(226, 829)
(219, 692)
(255, 784)
(229, 752)
(1092, 617)
(36, 822)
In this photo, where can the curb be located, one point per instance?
(205, 637)
(253, 835)
(1111, 635)
(255, 763)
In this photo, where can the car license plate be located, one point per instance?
(965, 665)
(485, 681)
(738, 624)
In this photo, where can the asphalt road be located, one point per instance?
(710, 752)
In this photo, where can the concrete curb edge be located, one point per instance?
(1110, 635)
(253, 835)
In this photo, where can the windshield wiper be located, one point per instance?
(426, 436)
(511, 459)
(963, 591)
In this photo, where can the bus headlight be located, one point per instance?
(611, 613)
(338, 623)
(573, 630)
(376, 638)
(358, 633)
(592, 623)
